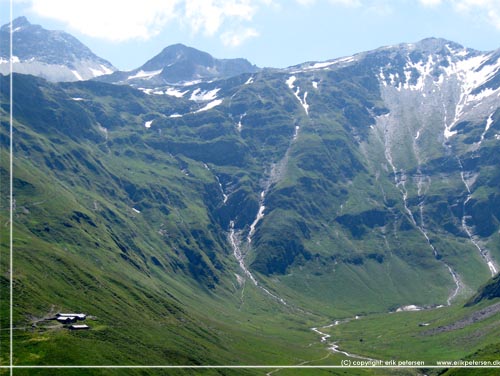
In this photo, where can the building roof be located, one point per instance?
(66, 318)
(77, 315)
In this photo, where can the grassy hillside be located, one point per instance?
(124, 203)
(105, 226)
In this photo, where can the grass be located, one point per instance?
(407, 335)
(161, 282)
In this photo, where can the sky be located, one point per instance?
(269, 33)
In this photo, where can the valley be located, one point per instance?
(333, 211)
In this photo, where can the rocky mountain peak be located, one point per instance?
(17, 23)
(178, 53)
(177, 64)
(436, 45)
(53, 55)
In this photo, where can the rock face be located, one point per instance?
(53, 55)
(179, 64)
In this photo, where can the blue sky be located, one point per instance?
(269, 33)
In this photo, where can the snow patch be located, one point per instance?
(189, 83)
(249, 81)
(176, 115)
(481, 95)
(326, 64)
(258, 217)
(296, 134)
(409, 308)
(489, 121)
(472, 73)
(78, 99)
(103, 130)
(210, 105)
(77, 75)
(200, 96)
(148, 124)
(146, 91)
(462, 53)
(15, 59)
(175, 93)
(97, 72)
(424, 72)
(320, 65)
(493, 270)
(239, 126)
(381, 75)
(447, 133)
(105, 69)
(303, 101)
(145, 75)
(136, 211)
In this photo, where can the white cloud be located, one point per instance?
(115, 20)
(348, 3)
(306, 2)
(482, 10)
(430, 3)
(229, 20)
(486, 9)
(236, 38)
(380, 8)
(120, 20)
(209, 15)
(494, 17)
(489, 9)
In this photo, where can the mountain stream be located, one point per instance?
(485, 255)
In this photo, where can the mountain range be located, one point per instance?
(58, 56)
(179, 64)
(206, 211)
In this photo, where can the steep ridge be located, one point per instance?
(405, 137)
(489, 291)
(434, 77)
(108, 224)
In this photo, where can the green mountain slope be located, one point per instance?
(216, 223)
(106, 226)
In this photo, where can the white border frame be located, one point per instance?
(11, 365)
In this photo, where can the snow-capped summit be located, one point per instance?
(440, 71)
(53, 55)
(180, 64)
